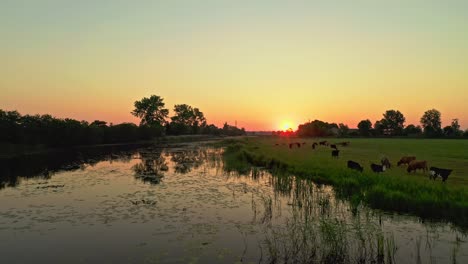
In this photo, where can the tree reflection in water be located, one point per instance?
(151, 167)
(185, 161)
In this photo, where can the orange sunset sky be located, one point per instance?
(262, 63)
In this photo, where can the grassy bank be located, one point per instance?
(394, 189)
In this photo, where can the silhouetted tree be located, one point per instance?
(316, 128)
(431, 122)
(413, 130)
(365, 128)
(187, 120)
(343, 130)
(379, 128)
(151, 111)
(393, 122)
(453, 130)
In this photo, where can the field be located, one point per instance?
(394, 189)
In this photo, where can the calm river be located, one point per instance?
(179, 205)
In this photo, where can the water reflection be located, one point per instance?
(151, 168)
(43, 166)
(192, 210)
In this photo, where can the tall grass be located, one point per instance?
(401, 193)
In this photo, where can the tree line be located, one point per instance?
(392, 124)
(154, 122)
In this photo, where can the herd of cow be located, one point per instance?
(410, 161)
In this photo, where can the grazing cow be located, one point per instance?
(443, 173)
(417, 164)
(298, 144)
(385, 162)
(377, 168)
(323, 143)
(344, 144)
(335, 153)
(290, 145)
(406, 160)
(314, 145)
(333, 146)
(355, 166)
(276, 144)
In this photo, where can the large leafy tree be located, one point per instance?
(187, 120)
(151, 111)
(431, 122)
(393, 122)
(365, 127)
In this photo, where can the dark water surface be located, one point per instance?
(179, 205)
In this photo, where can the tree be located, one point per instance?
(456, 127)
(187, 120)
(379, 128)
(413, 130)
(343, 130)
(431, 123)
(393, 122)
(151, 111)
(365, 128)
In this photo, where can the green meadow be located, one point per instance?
(395, 189)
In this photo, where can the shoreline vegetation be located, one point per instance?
(14, 150)
(394, 190)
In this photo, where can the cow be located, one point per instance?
(355, 166)
(443, 173)
(335, 153)
(344, 144)
(406, 160)
(333, 146)
(323, 143)
(377, 168)
(385, 162)
(314, 145)
(298, 144)
(303, 143)
(417, 164)
(290, 145)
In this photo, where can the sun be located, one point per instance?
(286, 125)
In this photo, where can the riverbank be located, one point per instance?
(395, 190)
(14, 150)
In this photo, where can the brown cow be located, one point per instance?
(417, 164)
(406, 160)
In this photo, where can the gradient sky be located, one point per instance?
(262, 63)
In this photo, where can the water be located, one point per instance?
(178, 205)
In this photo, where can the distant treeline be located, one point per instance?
(391, 125)
(57, 132)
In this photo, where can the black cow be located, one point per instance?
(443, 173)
(323, 143)
(298, 144)
(314, 145)
(333, 146)
(355, 166)
(335, 153)
(290, 145)
(377, 168)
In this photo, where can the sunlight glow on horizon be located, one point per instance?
(248, 62)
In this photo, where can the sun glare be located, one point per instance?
(286, 125)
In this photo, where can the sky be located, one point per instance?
(260, 63)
